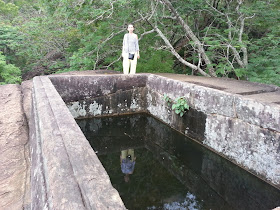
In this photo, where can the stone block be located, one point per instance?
(67, 173)
(201, 98)
(128, 101)
(76, 88)
(265, 115)
(256, 149)
(192, 123)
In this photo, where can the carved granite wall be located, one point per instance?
(65, 171)
(243, 130)
(103, 94)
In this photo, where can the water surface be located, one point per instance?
(171, 170)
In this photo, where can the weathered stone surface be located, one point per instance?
(200, 98)
(262, 114)
(244, 130)
(191, 124)
(228, 116)
(240, 119)
(252, 147)
(14, 160)
(228, 85)
(272, 97)
(120, 102)
(212, 101)
(26, 89)
(76, 88)
(66, 173)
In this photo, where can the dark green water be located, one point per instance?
(172, 171)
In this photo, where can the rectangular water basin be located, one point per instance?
(171, 171)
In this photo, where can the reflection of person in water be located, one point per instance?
(127, 163)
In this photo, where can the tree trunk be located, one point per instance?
(173, 51)
(192, 37)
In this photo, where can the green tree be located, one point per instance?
(9, 10)
(264, 50)
(10, 41)
(9, 73)
(237, 39)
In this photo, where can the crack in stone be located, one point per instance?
(1, 195)
(256, 92)
(206, 85)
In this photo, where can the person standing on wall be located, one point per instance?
(130, 51)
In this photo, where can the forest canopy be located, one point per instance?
(216, 38)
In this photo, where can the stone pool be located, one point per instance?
(67, 174)
(171, 170)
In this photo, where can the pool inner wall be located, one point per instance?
(245, 131)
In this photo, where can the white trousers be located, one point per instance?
(129, 63)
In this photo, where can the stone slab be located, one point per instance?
(201, 98)
(120, 102)
(273, 97)
(241, 87)
(14, 160)
(66, 173)
(251, 146)
(75, 88)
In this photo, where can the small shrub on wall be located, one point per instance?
(180, 105)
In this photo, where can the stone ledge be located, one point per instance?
(66, 173)
(212, 101)
(75, 88)
(48, 104)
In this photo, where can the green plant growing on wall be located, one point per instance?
(180, 106)
(167, 99)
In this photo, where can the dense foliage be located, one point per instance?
(9, 73)
(240, 38)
